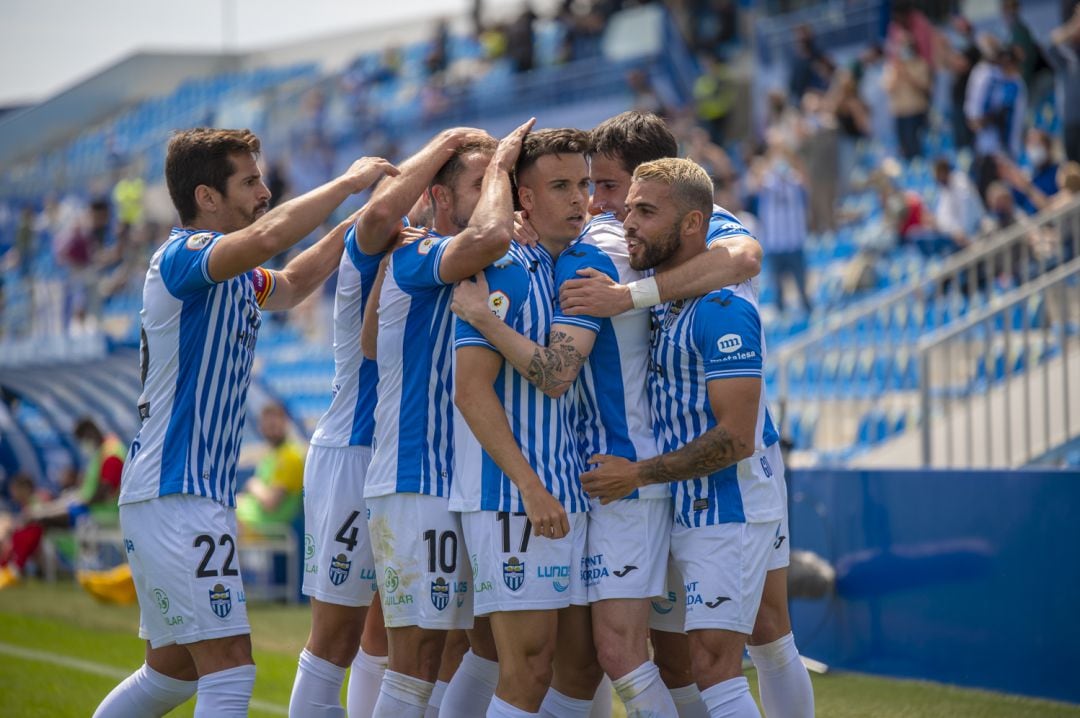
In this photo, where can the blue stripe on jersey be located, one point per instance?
(712, 337)
(368, 374)
(543, 427)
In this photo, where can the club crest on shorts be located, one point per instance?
(440, 593)
(339, 569)
(221, 601)
(513, 573)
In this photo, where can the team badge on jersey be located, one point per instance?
(499, 304)
(339, 569)
(199, 240)
(440, 593)
(729, 343)
(513, 573)
(221, 601)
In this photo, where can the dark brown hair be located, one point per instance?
(202, 156)
(633, 138)
(565, 141)
(454, 166)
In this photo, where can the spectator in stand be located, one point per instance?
(1063, 54)
(960, 54)
(438, 55)
(810, 68)
(994, 108)
(645, 97)
(1019, 36)
(273, 496)
(714, 97)
(104, 456)
(520, 41)
(1001, 210)
(853, 121)
(1040, 173)
(907, 80)
(779, 181)
(869, 70)
(820, 152)
(956, 216)
(908, 26)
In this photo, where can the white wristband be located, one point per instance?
(644, 292)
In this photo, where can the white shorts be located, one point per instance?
(723, 568)
(421, 563)
(516, 571)
(338, 565)
(668, 612)
(183, 556)
(628, 545)
(780, 555)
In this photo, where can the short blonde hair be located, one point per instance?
(1069, 177)
(690, 184)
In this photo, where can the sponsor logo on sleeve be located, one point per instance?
(499, 304)
(729, 343)
(424, 245)
(199, 240)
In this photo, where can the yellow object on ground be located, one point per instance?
(112, 586)
(8, 577)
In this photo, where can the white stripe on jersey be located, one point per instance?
(694, 342)
(414, 413)
(198, 346)
(543, 427)
(612, 389)
(350, 420)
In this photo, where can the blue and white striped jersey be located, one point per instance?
(612, 389)
(522, 293)
(198, 342)
(350, 420)
(413, 445)
(715, 337)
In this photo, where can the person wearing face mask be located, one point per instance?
(1039, 180)
(104, 455)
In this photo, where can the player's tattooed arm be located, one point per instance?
(553, 368)
(710, 452)
(731, 440)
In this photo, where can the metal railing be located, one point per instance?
(864, 359)
(1002, 386)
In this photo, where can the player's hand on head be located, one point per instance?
(506, 154)
(459, 136)
(594, 294)
(365, 171)
(470, 299)
(612, 478)
(547, 515)
(524, 233)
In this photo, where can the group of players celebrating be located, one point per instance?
(548, 445)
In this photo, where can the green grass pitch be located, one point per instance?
(61, 652)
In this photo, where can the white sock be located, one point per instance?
(730, 699)
(471, 688)
(498, 708)
(786, 691)
(556, 705)
(601, 702)
(688, 702)
(402, 696)
(225, 694)
(145, 693)
(644, 693)
(435, 703)
(365, 678)
(317, 689)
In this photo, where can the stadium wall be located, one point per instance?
(961, 577)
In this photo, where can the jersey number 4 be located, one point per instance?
(226, 567)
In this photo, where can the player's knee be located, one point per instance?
(674, 667)
(335, 644)
(615, 651)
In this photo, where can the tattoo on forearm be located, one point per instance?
(710, 452)
(556, 365)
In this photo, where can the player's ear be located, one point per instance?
(526, 198)
(692, 222)
(207, 199)
(440, 197)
